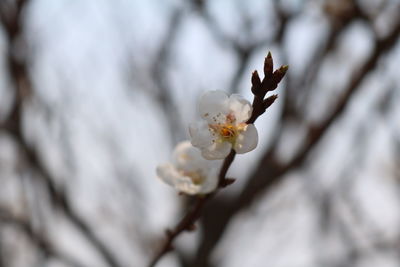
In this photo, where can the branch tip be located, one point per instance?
(268, 65)
(269, 101)
(255, 78)
(280, 73)
(284, 68)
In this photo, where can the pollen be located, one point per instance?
(227, 131)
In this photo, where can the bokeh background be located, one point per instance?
(95, 93)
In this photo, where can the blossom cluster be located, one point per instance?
(223, 126)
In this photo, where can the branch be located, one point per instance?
(41, 242)
(12, 20)
(301, 89)
(260, 104)
(163, 95)
(243, 51)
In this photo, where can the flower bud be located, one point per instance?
(269, 101)
(280, 73)
(268, 65)
(256, 83)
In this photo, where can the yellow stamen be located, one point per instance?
(227, 131)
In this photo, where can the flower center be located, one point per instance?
(229, 130)
(195, 176)
(226, 132)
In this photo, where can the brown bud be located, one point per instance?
(268, 65)
(256, 83)
(284, 68)
(255, 79)
(280, 73)
(269, 101)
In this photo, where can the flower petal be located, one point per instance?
(213, 106)
(190, 173)
(218, 150)
(168, 173)
(211, 182)
(247, 140)
(240, 107)
(186, 185)
(182, 148)
(188, 158)
(200, 134)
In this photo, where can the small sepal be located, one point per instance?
(227, 181)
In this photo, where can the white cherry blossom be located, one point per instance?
(189, 172)
(223, 126)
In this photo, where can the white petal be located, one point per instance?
(247, 140)
(182, 147)
(213, 106)
(200, 134)
(168, 173)
(211, 182)
(186, 185)
(240, 107)
(188, 158)
(217, 150)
